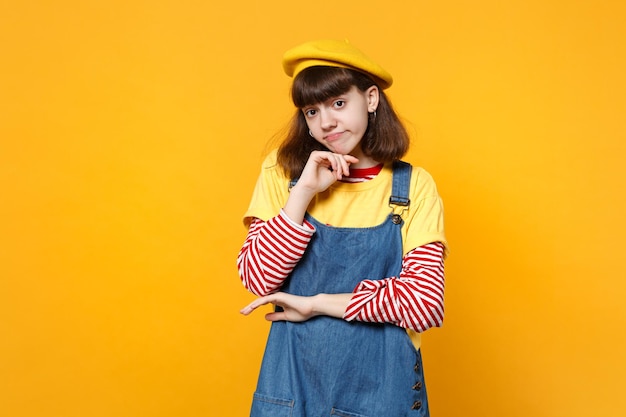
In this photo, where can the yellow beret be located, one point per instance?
(333, 53)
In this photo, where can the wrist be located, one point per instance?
(317, 305)
(297, 204)
(302, 193)
(333, 305)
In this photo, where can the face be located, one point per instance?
(340, 122)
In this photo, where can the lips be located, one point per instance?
(333, 136)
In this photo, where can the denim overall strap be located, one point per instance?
(401, 183)
(326, 366)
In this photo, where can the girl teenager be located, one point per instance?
(347, 242)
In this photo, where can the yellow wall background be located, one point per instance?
(131, 134)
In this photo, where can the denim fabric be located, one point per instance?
(327, 366)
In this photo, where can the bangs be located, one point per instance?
(318, 84)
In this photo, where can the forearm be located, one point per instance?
(320, 172)
(270, 252)
(412, 300)
(297, 308)
(333, 305)
(297, 203)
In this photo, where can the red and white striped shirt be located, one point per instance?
(413, 300)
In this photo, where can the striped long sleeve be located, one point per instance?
(270, 252)
(412, 300)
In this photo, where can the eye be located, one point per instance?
(309, 112)
(340, 103)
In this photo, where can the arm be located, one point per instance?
(320, 172)
(272, 249)
(299, 308)
(413, 300)
(270, 252)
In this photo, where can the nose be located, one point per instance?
(327, 119)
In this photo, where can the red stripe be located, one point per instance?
(270, 252)
(413, 300)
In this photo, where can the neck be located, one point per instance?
(364, 160)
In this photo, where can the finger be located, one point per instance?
(276, 316)
(323, 158)
(247, 309)
(255, 304)
(338, 166)
(330, 160)
(345, 166)
(351, 159)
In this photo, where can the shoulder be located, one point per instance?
(270, 192)
(271, 170)
(422, 183)
(424, 222)
(270, 160)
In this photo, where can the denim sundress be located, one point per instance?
(330, 367)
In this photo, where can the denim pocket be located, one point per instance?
(266, 406)
(341, 413)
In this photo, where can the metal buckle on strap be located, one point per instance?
(394, 203)
(399, 201)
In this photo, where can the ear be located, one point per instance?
(372, 95)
